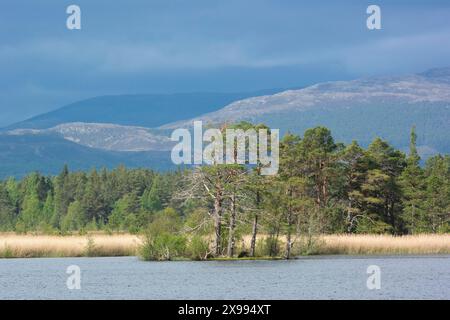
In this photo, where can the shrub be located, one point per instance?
(47, 228)
(198, 248)
(199, 221)
(7, 252)
(162, 246)
(89, 250)
(444, 228)
(307, 245)
(373, 226)
(92, 226)
(20, 228)
(162, 240)
(131, 223)
(268, 247)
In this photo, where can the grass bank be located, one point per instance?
(101, 245)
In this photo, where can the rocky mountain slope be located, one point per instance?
(144, 110)
(114, 132)
(105, 136)
(359, 109)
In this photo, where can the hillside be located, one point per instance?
(146, 110)
(359, 109)
(107, 131)
(105, 136)
(22, 154)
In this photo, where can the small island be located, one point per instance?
(327, 198)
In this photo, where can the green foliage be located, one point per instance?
(151, 199)
(75, 217)
(123, 216)
(162, 246)
(268, 247)
(199, 222)
(91, 226)
(368, 225)
(29, 218)
(198, 248)
(7, 210)
(413, 186)
(94, 198)
(162, 240)
(308, 245)
(437, 201)
(322, 187)
(48, 209)
(89, 249)
(6, 252)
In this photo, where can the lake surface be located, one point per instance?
(325, 277)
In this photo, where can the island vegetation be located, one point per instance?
(327, 198)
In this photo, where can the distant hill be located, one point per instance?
(144, 110)
(360, 109)
(104, 136)
(134, 130)
(22, 154)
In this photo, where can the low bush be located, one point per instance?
(198, 248)
(162, 246)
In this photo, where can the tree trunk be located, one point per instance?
(287, 254)
(289, 220)
(349, 217)
(254, 232)
(218, 224)
(231, 240)
(392, 216)
(274, 243)
(255, 226)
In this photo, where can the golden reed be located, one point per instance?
(101, 245)
(28, 246)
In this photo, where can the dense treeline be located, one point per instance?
(321, 187)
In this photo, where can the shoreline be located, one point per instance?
(267, 259)
(121, 245)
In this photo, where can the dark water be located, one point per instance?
(337, 277)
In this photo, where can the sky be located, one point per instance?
(168, 46)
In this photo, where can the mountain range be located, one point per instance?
(361, 109)
(134, 129)
(144, 110)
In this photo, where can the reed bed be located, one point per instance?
(101, 245)
(385, 244)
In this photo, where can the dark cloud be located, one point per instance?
(178, 46)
